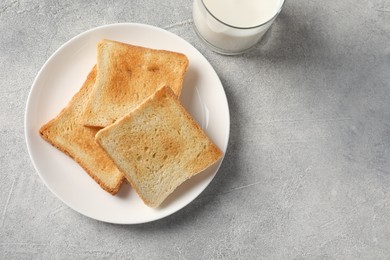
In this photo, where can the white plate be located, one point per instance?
(62, 76)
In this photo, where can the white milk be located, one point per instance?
(239, 24)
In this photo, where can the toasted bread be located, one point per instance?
(126, 76)
(69, 135)
(158, 146)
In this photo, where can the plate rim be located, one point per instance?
(53, 56)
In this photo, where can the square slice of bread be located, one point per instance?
(158, 146)
(126, 76)
(67, 133)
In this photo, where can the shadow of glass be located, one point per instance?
(290, 39)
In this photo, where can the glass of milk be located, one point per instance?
(233, 26)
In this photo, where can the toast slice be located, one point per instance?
(158, 146)
(126, 76)
(67, 133)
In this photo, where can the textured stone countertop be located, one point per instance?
(307, 171)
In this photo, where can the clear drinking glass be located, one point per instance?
(225, 38)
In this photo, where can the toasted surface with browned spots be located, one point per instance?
(158, 146)
(126, 76)
(67, 133)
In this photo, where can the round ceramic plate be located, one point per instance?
(62, 76)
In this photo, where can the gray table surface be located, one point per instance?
(307, 171)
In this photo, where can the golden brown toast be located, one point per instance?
(126, 76)
(158, 146)
(67, 133)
